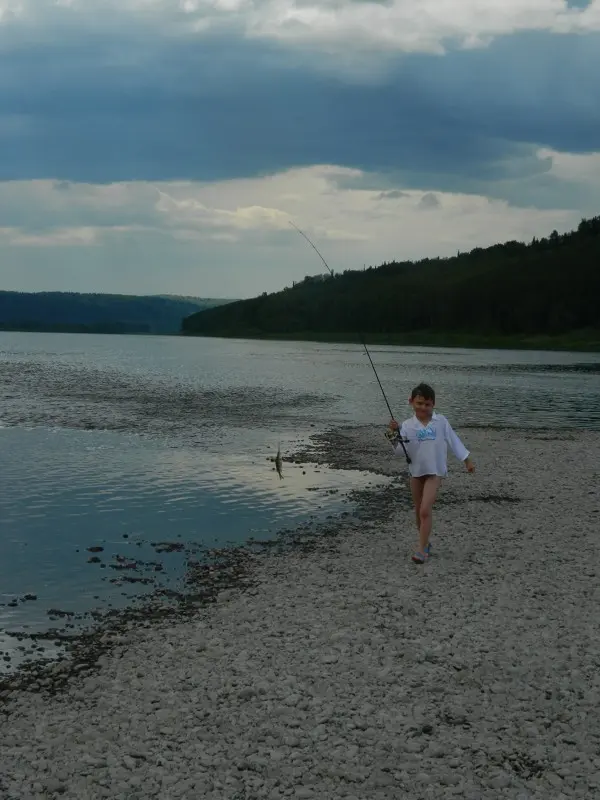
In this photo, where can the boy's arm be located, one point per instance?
(457, 447)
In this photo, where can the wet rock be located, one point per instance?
(168, 547)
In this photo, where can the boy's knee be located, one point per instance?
(425, 513)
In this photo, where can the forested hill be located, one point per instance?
(96, 313)
(512, 291)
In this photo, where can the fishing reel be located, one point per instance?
(393, 436)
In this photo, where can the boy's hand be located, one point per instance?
(394, 425)
(469, 465)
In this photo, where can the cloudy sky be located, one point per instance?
(163, 146)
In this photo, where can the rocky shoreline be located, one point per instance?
(327, 665)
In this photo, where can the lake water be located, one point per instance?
(123, 442)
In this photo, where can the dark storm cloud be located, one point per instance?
(100, 108)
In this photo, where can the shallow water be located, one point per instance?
(71, 490)
(121, 441)
(209, 386)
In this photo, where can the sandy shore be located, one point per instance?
(343, 670)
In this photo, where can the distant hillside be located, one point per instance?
(97, 313)
(544, 293)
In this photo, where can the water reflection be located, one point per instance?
(66, 491)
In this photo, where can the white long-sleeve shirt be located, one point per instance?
(427, 445)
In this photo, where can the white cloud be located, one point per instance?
(234, 239)
(405, 25)
(415, 25)
(61, 237)
(429, 201)
(191, 212)
(79, 236)
(583, 168)
(63, 196)
(191, 219)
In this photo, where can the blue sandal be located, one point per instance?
(419, 558)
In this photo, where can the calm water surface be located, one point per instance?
(124, 441)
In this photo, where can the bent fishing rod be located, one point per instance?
(362, 339)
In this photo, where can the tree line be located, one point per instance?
(549, 286)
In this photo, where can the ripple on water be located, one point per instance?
(72, 490)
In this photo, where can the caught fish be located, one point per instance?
(279, 462)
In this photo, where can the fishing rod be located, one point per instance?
(362, 339)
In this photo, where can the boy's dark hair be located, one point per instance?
(423, 390)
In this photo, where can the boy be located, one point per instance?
(426, 436)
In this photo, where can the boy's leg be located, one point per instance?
(430, 489)
(416, 488)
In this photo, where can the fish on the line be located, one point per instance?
(279, 462)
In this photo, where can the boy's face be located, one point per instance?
(423, 408)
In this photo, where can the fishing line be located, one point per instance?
(362, 339)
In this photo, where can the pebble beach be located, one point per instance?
(336, 668)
